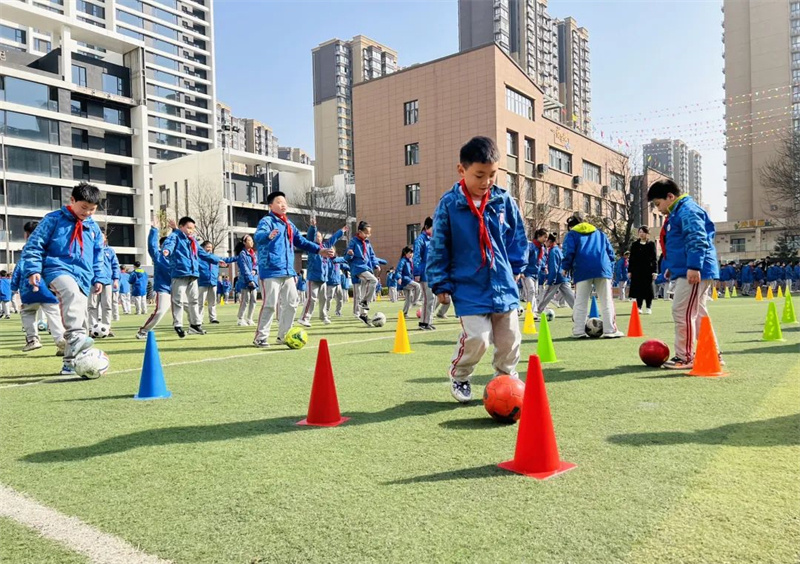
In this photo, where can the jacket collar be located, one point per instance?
(495, 196)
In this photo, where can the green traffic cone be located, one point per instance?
(788, 310)
(544, 348)
(772, 329)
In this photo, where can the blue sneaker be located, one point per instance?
(67, 370)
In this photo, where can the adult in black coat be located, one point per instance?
(642, 270)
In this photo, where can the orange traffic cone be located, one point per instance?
(706, 361)
(536, 454)
(635, 324)
(323, 409)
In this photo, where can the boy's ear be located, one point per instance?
(461, 170)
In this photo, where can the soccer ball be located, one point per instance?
(419, 313)
(100, 330)
(502, 398)
(594, 327)
(379, 320)
(296, 338)
(550, 314)
(654, 352)
(91, 364)
(42, 326)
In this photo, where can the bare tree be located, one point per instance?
(208, 211)
(781, 177)
(535, 208)
(315, 200)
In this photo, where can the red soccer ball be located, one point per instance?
(654, 352)
(502, 398)
(419, 313)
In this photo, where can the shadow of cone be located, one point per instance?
(536, 454)
(772, 328)
(401, 344)
(323, 408)
(759, 296)
(152, 384)
(593, 311)
(529, 327)
(706, 361)
(635, 323)
(789, 315)
(544, 348)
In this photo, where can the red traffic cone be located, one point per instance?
(323, 409)
(635, 324)
(536, 454)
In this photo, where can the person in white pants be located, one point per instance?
(536, 262)
(161, 282)
(247, 263)
(557, 281)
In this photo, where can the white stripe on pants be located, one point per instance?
(5, 308)
(368, 284)
(531, 286)
(428, 304)
(477, 333)
(163, 302)
(100, 306)
(208, 294)
(247, 303)
(566, 294)
(583, 296)
(277, 294)
(412, 291)
(688, 308)
(29, 312)
(314, 289)
(72, 305)
(185, 293)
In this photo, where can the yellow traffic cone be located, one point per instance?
(770, 295)
(759, 297)
(401, 344)
(529, 327)
(727, 293)
(734, 294)
(780, 292)
(714, 294)
(222, 301)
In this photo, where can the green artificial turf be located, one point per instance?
(670, 468)
(20, 545)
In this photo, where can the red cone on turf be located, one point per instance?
(635, 324)
(323, 409)
(536, 454)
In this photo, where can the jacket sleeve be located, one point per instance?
(210, 258)
(351, 246)
(33, 251)
(441, 254)
(99, 259)
(261, 236)
(695, 238)
(516, 240)
(114, 265)
(569, 252)
(552, 266)
(610, 253)
(334, 238)
(152, 246)
(169, 244)
(15, 278)
(303, 243)
(418, 250)
(245, 267)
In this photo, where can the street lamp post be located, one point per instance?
(227, 129)
(3, 156)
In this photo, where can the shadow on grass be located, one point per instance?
(553, 373)
(121, 396)
(769, 347)
(488, 471)
(778, 431)
(227, 431)
(476, 423)
(480, 380)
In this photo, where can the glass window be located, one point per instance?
(164, 46)
(519, 103)
(598, 207)
(529, 149)
(554, 193)
(118, 205)
(12, 34)
(512, 145)
(412, 232)
(164, 139)
(31, 195)
(560, 160)
(568, 199)
(113, 85)
(130, 18)
(163, 108)
(91, 9)
(166, 77)
(79, 75)
(530, 193)
(617, 182)
(23, 126)
(164, 15)
(587, 203)
(165, 62)
(512, 185)
(32, 161)
(42, 45)
(130, 33)
(165, 31)
(737, 244)
(113, 115)
(412, 154)
(164, 123)
(167, 93)
(169, 3)
(591, 172)
(133, 4)
(411, 112)
(412, 194)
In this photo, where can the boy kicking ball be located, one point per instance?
(478, 251)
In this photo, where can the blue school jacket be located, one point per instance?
(747, 274)
(454, 259)
(421, 246)
(690, 241)
(110, 263)
(588, 253)
(183, 261)
(247, 271)
(124, 283)
(621, 270)
(391, 280)
(51, 251)
(361, 257)
(555, 256)
(319, 267)
(209, 271)
(537, 257)
(26, 293)
(5, 289)
(162, 279)
(276, 256)
(405, 273)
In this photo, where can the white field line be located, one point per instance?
(71, 532)
(224, 358)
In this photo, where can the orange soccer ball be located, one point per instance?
(502, 398)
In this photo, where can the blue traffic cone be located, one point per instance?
(152, 385)
(593, 312)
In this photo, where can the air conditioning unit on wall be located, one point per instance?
(577, 180)
(542, 168)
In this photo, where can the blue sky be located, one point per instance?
(648, 59)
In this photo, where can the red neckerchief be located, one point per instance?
(289, 232)
(252, 254)
(77, 232)
(484, 240)
(541, 250)
(366, 253)
(193, 244)
(662, 238)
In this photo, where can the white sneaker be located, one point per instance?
(614, 335)
(648, 311)
(304, 323)
(242, 323)
(326, 321)
(32, 345)
(251, 323)
(461, 391)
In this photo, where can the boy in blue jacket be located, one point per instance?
(391, 283)
(101, 305)
(138, 281)
(557, 281)
(590, 257)
(747, 278)
(536, 261)
(405, 277)
(363, 263)
(333, 288)
(247, 282)
(5, 295)
(318, 272)
(162, 282)
(421, 248)
(691, 262)
(302, 287)
(207, 282)
(184, 255)
(621, 274)
(276, 238)
(66, 252)
(479, 251)
(36, 302)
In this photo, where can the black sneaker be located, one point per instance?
(180, 332)
(365, 318)
(462, 391)
(196, 330)
(423, 326)
(364, 305)
(214, 322)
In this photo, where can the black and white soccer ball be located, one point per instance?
(550, 314)
(594, 327)
(91, 364)
(100, 330)
(379, 320)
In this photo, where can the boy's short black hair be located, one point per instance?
(30, 226)
(272, 195)
(479, 150)
(184, 220)
(645, 229)
(406, 250)
(660, 188)
(363, 225)
(137, 264)
(3, 273)
(574, 220)
(539, 232)
(85, 192)
(552, 238)
(206, 243)
(428, 223)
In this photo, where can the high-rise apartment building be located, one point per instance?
(671, 157)
(72, 109)
(259, 138)
(574, 75)
(695, 175)
(294, 154)
(337, 66)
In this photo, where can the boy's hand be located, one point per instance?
(344, 229)
(416, 279)
(154, 222)
(98, 287)
(313, 222)
(116, 285)
(350, 252)
(667, 274)
(34, 280)
(654, 276)
(443, 299)
(518, 276)
(273, 234)
(629, 276)
(172, 224)
(693, 276)
(327, 253)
